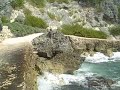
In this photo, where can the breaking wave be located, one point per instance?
(96, 65)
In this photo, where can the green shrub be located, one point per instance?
(4, 19)
(35, 22)
(78, 30)
(115, 30)
(27, 11)
(52, 16)
(17, 3)
(38, 3)
(59, 1)
(20, 30)
(119, 12)
(94, 3)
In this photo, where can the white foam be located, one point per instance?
(100, 57)
(49, 81)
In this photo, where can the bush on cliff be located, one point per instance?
(35, 22)
(37, 3)
(4, 19)
(20, 30)
(59, 1)
(17, 3)
(115, 31)
(78, 30)
(119, 12)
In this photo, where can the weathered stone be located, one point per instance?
(99, 83)
(110, 10)
(59, 56)
(17, 68)
(52, 43)
(5, 8)
(95, 45)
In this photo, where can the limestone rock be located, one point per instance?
(110, 10)
(56, 54)
(52, 43)
(5, 33)
(17, 70)
(95, 45)
(5, 8)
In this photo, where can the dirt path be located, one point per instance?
(13, 44)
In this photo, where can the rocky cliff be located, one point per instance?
(56, 54)
(90, 45)
(99, 16)
(51, 52)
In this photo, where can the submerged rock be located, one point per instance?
(99, 83)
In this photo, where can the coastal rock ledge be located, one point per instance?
(50, 52)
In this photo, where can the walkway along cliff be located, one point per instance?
(51, 52)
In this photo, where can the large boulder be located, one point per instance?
(56, 54)
(52, 43)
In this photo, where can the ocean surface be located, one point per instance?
(97, 65)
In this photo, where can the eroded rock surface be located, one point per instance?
(17, 68)
(55, 53)
(91, 45)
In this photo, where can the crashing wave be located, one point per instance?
(100, 57)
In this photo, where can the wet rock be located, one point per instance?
(99, 83)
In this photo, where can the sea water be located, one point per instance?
(96, 65)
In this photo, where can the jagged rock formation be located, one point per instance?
(92, 83)
(5, 8)
(110, 10)
(89, 45)
(56, 53)
(97, 83)
(53, 52)
(73, 12)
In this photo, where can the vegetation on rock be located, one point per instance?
(35, 22)
(17, 3)
(115, 31)
(20, 30)
(59, 1)
(78, 30)
(52, 16)
(119, 12)
(4, 19)
(38, 3)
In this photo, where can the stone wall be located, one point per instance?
(17, 68)
(91, 45)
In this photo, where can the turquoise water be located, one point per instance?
(97, 65)
(109, 69)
